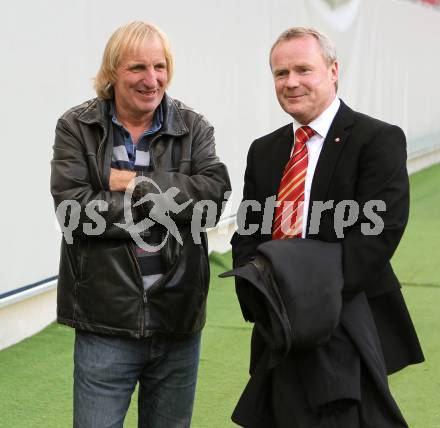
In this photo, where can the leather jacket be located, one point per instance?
(100, 286)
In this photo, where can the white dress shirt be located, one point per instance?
(320, 125)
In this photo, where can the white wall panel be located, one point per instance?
(51, 50)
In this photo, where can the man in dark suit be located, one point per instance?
(328, 156)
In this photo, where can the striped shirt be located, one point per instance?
(136, 157)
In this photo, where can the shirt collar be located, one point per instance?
(157, 118)
(322, 123)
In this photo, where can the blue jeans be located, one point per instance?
(107, 369)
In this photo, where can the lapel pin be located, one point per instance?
(337, 140)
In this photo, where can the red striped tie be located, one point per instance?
(289, 215)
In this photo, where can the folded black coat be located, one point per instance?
(290, 303)
(292, 291)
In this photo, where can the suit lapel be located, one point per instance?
(331, 149)
(280, 154)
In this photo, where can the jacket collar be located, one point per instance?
(98, 110)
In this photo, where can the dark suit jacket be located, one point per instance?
(362, 159)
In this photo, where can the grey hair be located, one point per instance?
(327, 48)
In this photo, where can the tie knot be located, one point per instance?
(303, 134)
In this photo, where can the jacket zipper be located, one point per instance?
(98, 156)
(144, 299)
(152, 158)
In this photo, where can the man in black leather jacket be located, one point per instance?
(135, 295)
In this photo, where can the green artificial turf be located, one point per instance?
(417, 265)
(417, 388)
(417, 260)
(36, 374)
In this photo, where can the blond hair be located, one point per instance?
(125, 38)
